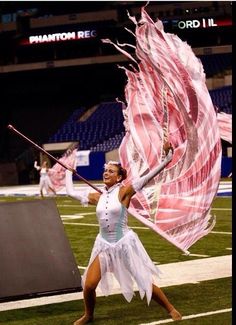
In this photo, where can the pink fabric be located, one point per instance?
(225, 126)
(167, 99)
(57, 172)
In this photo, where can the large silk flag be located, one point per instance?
(167, 99)
(225, 126)
(57, 173)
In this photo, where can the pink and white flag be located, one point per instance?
(225, 126)
(57, 172)
(167, 99)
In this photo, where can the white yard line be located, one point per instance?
(172, 274)
(197, 255)
(221, 232)
(221, 209)
(209, 313)
(32, 190)
(81, 224)
(133, 227)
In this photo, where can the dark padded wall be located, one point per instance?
(35, 254)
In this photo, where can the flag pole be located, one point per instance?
(53, 158)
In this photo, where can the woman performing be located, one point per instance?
(45, 182)
(117, 249)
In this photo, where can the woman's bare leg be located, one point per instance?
(92, 280)
(159, 296)
(53, 191)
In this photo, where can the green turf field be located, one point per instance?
(191, 299)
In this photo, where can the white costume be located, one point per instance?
(120, 251)
(44, 181)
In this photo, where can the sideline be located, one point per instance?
(224, 190)
(170, 320)
(172, 274)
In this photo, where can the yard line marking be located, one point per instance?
(69, 216)
(134, 227)
(68, 205)
(76, 215)
(97, 225)
(81, 224)
(221, 232)
(76, 206)
(197, 255)
(170, 320)
(178, 273)
(222, 209)
(139, 227)
(81, 267)
(94, 224)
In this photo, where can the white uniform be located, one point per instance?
(44, 181)
(120, 251)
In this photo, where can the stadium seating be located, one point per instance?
(103, 130)
(222, 98)
(216, 63)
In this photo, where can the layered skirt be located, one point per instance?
(127, 261)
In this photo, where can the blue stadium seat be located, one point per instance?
(104, 129)
(222, 98)
(216, 63)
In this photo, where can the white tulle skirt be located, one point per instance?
(129, 262)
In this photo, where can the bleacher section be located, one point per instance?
(216, 63)
(222, 98)
(109, 144)
(103, 129)
(69, 130)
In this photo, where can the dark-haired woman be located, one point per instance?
(117, 249)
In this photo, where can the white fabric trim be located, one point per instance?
(129, 262)
(81, 195)
(139, 183)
